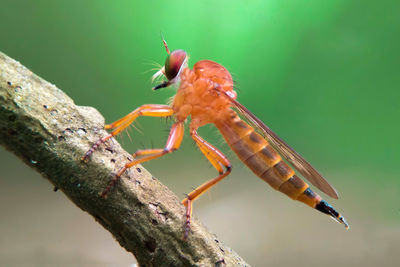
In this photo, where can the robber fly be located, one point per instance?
(206, 94)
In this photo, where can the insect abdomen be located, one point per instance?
(264, 161)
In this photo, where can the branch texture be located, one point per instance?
(43, 126)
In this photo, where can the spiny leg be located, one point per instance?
(119, 125)
(174, 141)
(219, 161)
(150, 108)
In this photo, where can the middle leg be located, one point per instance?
(174, 141)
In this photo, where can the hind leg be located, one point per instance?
(219, 161)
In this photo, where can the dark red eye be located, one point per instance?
(174, 63)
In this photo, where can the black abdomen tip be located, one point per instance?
(326, 208)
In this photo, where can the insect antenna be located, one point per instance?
(165, 43)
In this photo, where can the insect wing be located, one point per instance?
(287, 152)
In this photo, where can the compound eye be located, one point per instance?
(174, 63)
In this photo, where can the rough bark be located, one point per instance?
(43, 127)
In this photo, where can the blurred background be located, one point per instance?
(324, 75)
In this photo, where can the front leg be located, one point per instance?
(152, 110)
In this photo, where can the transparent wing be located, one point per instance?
(298, 162)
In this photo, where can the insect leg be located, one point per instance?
(121, 124)
(155, 109)
(174, 141)
(219, 161)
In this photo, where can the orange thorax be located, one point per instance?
(197, 97)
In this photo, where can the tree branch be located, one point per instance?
(43, 126)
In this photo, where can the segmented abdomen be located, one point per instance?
(263, 160)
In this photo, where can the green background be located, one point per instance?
(324, 75)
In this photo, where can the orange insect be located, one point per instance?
(206, 94)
